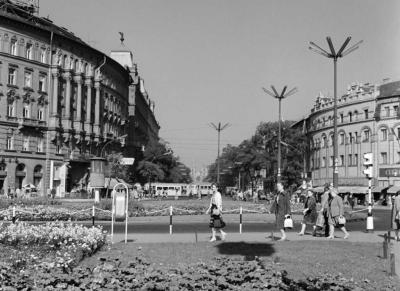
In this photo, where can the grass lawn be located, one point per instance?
(358, 262)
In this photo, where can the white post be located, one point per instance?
(370, 219)
(93, 214)
(112, 216)
(240, 221)
(126, 214)
(13, 215)
(170, 219)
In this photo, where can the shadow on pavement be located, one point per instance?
(249, 250)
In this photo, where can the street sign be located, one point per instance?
(127, 161)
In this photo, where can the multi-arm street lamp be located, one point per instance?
(280, 96)
(219, 128)
(335, 55)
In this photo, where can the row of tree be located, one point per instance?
(156, 163)
(255, 159)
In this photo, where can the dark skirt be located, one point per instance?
(310, 217)
(280, 220)
(216, 221)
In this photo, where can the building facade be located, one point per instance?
(62, 103)
(368, 121)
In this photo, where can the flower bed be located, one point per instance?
(51, 245)
(222, 274)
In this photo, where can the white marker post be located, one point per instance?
(170, 219)
(240, 221)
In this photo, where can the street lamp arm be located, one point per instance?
(111, 141)
(319, 48)
(346, 42)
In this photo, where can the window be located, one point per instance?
(398, 133)
(323, 163)
(40, 113)
(29, 51)
(342, 137)
(312, 163)
(350, 137)
(324, 141)
(383, 158)
(341, 118)
(355, 160)
(366, 135)
(43, 58)
(25, 145)
(331, 140)
(384, 135)
(387, 111)
(10, 110)
(395, 110)
(355, 137)
(341, 160)
(28, 79)
(42, 83)
(350, 160)
(13, 47)
(40, 145)
(10, 143)
(331, 161)
(26, 111)
(12, 76)
(366, 115)
(350, 117)
(398, 157)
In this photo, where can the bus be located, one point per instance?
(159, 189)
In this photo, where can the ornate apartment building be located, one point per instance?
(61, 102)
(368, 121)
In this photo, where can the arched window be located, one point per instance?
(13, 47)
(350, 117)
(355, 115)
(29, 51)
(366, 135)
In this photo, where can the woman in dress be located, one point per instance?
(215, 211)
(335, 210)
(396, 215)
(309, 212)
(281, 207)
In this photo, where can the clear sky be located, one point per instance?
(206, 61)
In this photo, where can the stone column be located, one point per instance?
(54, 100)
(78, 121)
(97, 109)
(67, 118)
(89, 84)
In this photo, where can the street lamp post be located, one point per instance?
(219, 128)
(280, 96)
(334, 55)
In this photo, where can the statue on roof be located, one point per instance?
(121, 37)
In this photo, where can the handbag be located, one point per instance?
(215, 212)
(288, 222)
(320, 220)
(341, 220)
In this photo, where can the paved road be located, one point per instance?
(254, 224)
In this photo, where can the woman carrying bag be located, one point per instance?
(336, 214)
(309, 212)
(281, 208)
(396, 215)
(215, 211)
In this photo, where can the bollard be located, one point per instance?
(392, 265)
(93, 212)
(240, 219)
(385, 247)
(13, 215)
(170, 219)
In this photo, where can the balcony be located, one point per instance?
(30, 123)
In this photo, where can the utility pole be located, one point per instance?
(219, 128)
(280, 96)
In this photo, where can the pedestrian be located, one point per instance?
(281, 207)
(335, 212)
(309, 212)
(396, 215)
(215, 211)
(351, 200)
(324, 207)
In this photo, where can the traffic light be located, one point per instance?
(368, 161)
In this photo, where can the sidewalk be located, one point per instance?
(259, 237)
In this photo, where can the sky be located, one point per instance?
(207, 61)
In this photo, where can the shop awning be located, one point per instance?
(345, 189)
(378, 189)
(393, 190)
